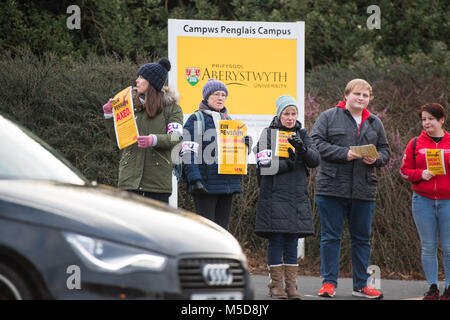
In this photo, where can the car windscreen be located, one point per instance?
(24, 156)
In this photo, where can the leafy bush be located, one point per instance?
(62, 103)
(335, 30)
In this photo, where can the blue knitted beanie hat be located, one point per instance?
(211, 86)
(155, 73)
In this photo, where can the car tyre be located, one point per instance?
(12, 285)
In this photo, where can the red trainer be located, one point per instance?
(432, 293)
(327, 290)
(368, 292)
(446, 295)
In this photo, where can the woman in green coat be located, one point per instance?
(146, 167)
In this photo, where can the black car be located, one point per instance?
(62, 237)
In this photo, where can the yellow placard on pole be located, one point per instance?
(232, 153)
(283, 144)
(435, 161)
(124, 121)
(368, 150)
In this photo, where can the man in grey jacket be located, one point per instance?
(346, 184)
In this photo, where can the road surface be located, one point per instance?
(309, 286)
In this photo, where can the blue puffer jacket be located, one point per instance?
(200, 158)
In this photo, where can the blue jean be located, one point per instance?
(432, 217)
(332, 214)
(282, 249)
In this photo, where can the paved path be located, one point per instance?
(309, 286)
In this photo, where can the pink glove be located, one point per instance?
(107, 107)
(145, 141)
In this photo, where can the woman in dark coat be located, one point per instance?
(212, 192)
(284, 211)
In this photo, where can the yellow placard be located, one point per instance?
(255, 71)
(283, 144)
(435, 161)
(368, 150)
(232, 149)
(124, 121)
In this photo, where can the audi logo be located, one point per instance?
(217, 274)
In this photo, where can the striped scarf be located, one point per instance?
(204, 107)
(217, 116)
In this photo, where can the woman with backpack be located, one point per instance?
(212, 192)
(146, 167)
(431, 194)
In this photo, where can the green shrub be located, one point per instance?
(335, 30)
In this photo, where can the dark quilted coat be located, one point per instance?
(283, 204)
(333, 133)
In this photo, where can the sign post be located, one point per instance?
(257, 61)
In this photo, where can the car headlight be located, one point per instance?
(108, 256)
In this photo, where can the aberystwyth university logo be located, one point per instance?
(192, 75)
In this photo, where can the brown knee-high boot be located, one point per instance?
(276, 289)
(290, 277)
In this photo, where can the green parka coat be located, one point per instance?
(150, 169)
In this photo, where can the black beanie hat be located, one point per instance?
(155, 73)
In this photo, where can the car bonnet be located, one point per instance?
(114, 215)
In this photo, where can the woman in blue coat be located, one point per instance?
(212, 192)
(284, 211)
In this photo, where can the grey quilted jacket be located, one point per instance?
(334, 131)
